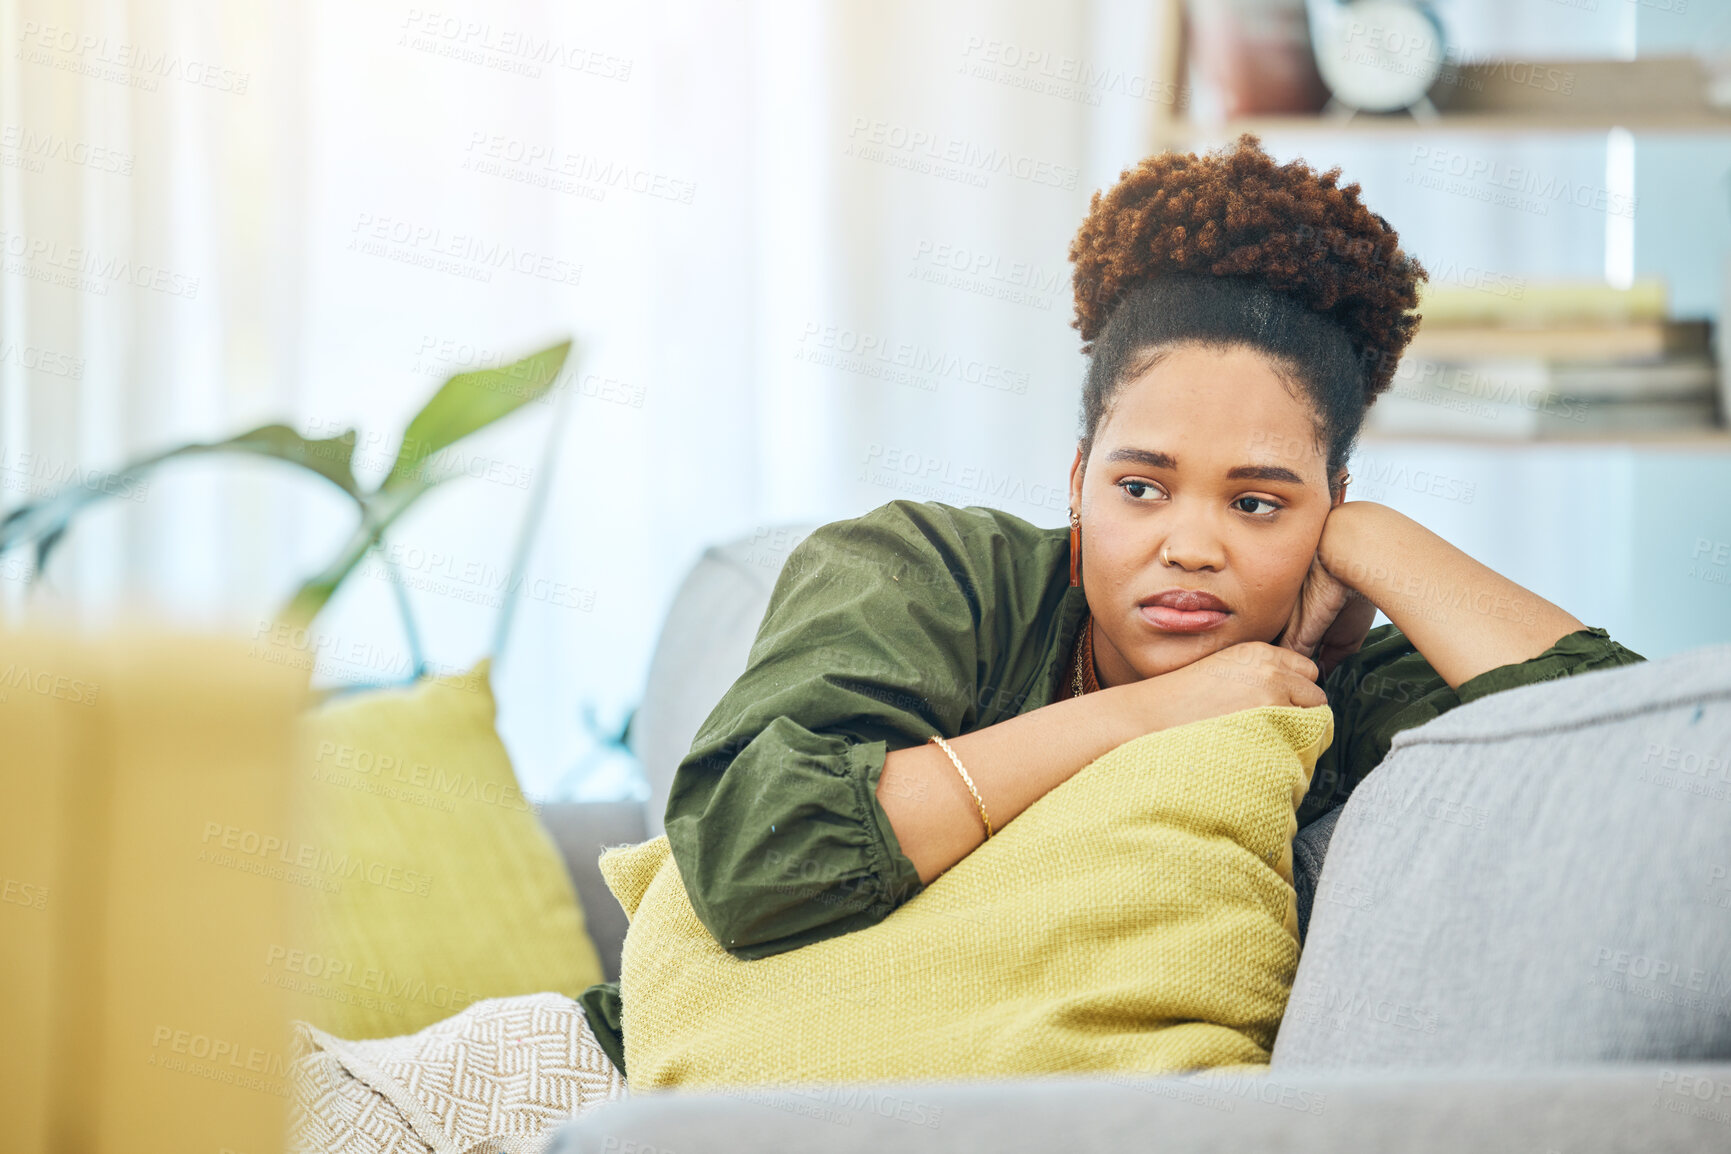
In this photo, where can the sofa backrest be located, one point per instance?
(1540, 876)
(702, 650)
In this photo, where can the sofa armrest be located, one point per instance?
(1585, 1109)
(581, 830)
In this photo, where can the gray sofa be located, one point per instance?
(1517, 938)
(702, 649)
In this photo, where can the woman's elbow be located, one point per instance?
(735, 904)
(730, 920)
(772, 911)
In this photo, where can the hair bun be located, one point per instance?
(1236, 213)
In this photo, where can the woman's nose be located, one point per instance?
(1191, 547)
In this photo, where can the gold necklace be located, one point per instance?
(1084, 657)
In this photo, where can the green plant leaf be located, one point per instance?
(330, 457)
(45, 522)
(469, 402)
(465, 404)
(379, 510)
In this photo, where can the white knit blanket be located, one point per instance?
(497, 1078)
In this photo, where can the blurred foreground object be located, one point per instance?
(1552, 360)
(142, 844)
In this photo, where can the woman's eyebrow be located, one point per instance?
(1149, 457)
(1158, 460)
(1263, 473)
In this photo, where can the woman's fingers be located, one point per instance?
(1305, 692)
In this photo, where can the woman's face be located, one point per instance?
(1209, 459)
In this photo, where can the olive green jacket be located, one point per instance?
(920, 618)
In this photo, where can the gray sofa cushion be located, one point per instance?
(702, 650)
(1309, 847)
(580, 830)
(1540, 876)
(1584, 1110)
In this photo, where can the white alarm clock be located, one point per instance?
(1377, 55)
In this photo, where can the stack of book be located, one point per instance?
(1553, 361)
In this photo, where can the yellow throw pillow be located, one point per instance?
(1139, 917)
(430, 880)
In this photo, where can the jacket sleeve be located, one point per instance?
(869, 644)
(1388, 686)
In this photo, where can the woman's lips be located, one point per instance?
(1182, 620)
(1183, 610)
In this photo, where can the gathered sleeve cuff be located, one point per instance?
(1579, 652)
(773, 818)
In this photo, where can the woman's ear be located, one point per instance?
(1076, 481)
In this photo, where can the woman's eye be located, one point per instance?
(1135, 488)
(1272, 507)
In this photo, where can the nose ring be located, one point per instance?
(1165, 560)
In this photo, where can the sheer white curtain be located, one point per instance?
(813, 256)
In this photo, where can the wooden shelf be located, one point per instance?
(1404, 127)
(1703, 440)
(1658, 94)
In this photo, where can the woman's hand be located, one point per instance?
(1241, 676)
(1462, 617)
(1330, 621)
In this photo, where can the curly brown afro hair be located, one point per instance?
(1235, 212)
(1232, 248)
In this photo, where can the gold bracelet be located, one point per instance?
(945, 746)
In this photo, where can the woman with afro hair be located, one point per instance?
(1239, 317)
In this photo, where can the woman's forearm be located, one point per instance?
(1463, 617)
(1013, 764)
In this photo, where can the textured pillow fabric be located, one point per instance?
(430, 881)
(1541, 876)
(1140, 916)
